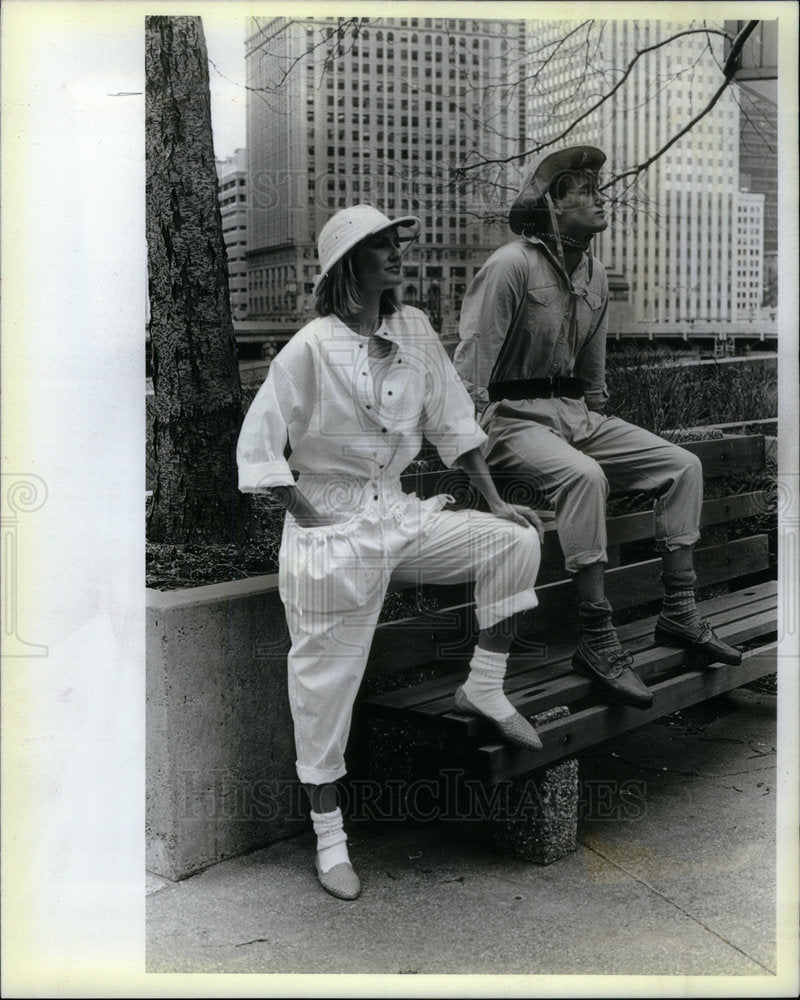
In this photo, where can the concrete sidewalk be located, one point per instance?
(674, 875)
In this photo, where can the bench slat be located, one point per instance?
(539, 689)
(568, 688)
(636, 527)
(721, 457)
(637, 583)
(565, 737)
(652, 665)
(416, 641)
(493, 762)
(430, 697)
(639, 526)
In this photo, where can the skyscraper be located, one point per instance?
(750, 249)
(232, 177)
(377, 111)
(674, 230)
(758, 173)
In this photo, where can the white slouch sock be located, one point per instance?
(331, 839)
(484, 685)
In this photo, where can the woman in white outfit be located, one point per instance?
(352, 394)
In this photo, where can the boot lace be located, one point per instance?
(618, 662)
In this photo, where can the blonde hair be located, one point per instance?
(338, 292)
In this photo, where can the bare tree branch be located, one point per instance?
(598, 82)
(537, 148)
(728, 71)
(352, 24)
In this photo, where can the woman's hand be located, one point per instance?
(475, 466)
(300, 508)
(312, 519)
(519, 514)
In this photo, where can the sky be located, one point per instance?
(225, 43)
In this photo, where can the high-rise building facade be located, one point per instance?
(758, 173)
(232, 179)
(674, 227)
(381, 115)
(750, 247)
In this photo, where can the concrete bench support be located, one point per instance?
(533, 816)
(541, 822)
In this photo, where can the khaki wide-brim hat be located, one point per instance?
(545, 170)
(348, 227)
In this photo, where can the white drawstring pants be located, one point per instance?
(333, 580)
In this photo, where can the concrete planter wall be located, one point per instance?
(220, 746)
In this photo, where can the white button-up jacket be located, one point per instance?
(340, 421)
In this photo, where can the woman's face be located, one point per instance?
(376, 261)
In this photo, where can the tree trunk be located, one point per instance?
(198, 396)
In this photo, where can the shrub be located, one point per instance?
(650, 388)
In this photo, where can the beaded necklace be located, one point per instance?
(569, 241)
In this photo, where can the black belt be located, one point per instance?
(537, 388)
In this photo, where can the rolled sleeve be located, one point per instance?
(265, 433)
(458, 438)
(478, 395)
(260, 476)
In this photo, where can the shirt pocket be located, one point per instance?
(545, 319)
(543, 295)
(589, 309)
(594, 300)
(321, 570)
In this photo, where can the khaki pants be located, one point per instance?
(557, 451)
(333, 581)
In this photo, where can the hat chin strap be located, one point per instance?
(556, 231)
(556, 238)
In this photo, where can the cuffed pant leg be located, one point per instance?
(501, 557)
(677, 510)
(636, 459)
(325, 668)
(332, 584)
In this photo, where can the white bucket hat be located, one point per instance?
(348, 227)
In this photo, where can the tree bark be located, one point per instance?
(198, 397)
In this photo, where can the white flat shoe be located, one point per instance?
(341, 881)
(516, 728)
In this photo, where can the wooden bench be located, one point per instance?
(405, 713)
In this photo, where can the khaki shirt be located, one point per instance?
(523, 318)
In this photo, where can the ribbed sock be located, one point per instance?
(484, 685)
(679, 598)
(331, 839)
(598, 629)
(679, 606)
